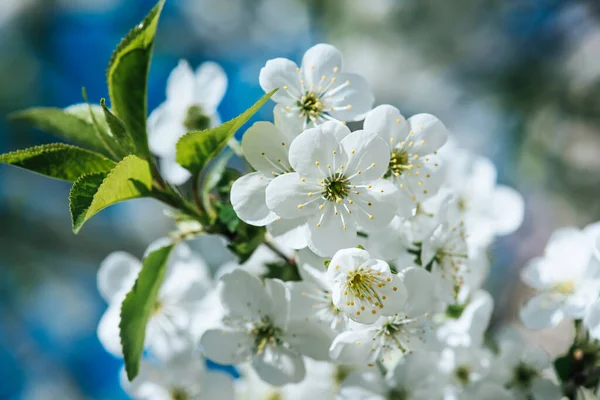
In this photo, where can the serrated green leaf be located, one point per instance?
(138, 306)
(73, 124)
(58, 160)
(129, 179)
(196, 149)
(119, 131)
(127, 78)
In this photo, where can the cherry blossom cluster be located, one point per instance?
(388, 228)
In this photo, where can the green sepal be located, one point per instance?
(196, 149)
(127, 77)
(139, 305)
(129, 179)
(58, 160)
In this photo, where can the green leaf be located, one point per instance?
(196, 149)
(130, 179)
(127, 78)
(58, 160)
(119, 131)
(138, 306)
(211, 180)
(73, 124)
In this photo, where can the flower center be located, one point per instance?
(179, 394)
(196, 120)
(336, 187)
(463, 374)
(310, 105)
(523, 375)
(398, 394)
(566, 287)
(265, 333)
(399, 162)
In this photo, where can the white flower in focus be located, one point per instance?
(566, 279)
(258, 327)
(181, 295)
(183, 377)
(336, 186)
(318, 91)
(191, 105)
(520, 367)
(488, 209)
(445, 251)
(364, 288)
(415, 377)
(266, 148)
(390, 337)
(415, 168)
(311, 298)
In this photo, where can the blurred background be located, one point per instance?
(515, 80)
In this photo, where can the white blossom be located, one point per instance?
(464, 368)
(180, 297)
(566, 279)
(317, 91)
(191, 105)
(336, 186)
(184, 376)
(415, 168)
(258, 327)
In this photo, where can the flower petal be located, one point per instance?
(316, 153)
(368, 156)
(309, 338)
(248, 198)
(173, 173)
(321, 60)
(243, 296)
(211, 84)
(292, 233)
(180, 86)
(354, 347)
(108, 330)
(281, 73)
(117, 274)
(165, 127)
(420, 287)
(280, 298)
(346, 260)
(542, 311)
(289, 197)
(387, 121)
(352, 101)
(508, 208)
(424, 181)
(278, 366)
(429, 133)
(266, 149)
(329, 232)
(376, 205)
(226, 346)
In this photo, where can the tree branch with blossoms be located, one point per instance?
(361, 255)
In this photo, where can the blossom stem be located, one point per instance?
(273, 247)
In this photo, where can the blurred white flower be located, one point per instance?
(181, 295)
(184, 376)
(566, 279)
(259, 327)
(336, 186)
(464, 368)
(318, 91)
(191, 105)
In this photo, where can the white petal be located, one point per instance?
(227, 347)
(592, 320)
(329, 234)
(317, 152)
(108, 330)
(292, 233)
(321, 60)
(173, 173)
(243, 296)
(508, 209)
(337, 129)
(266, 149)
(279, 73)
(165, 127)
(489, 390)
(180, 86)
(218, 385)
(354, 347)
(376, 206)
(354, 100)
(211, 84)
(420, 286)
(280, 298)
(542, 311)
(387, 122)
(289, 197)
(309, 338)
(344, 261)
(368, 156)
(288, 122)
(278, 366)
(427, 182)
(248, 199)
(429, 133)
(117, 274)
